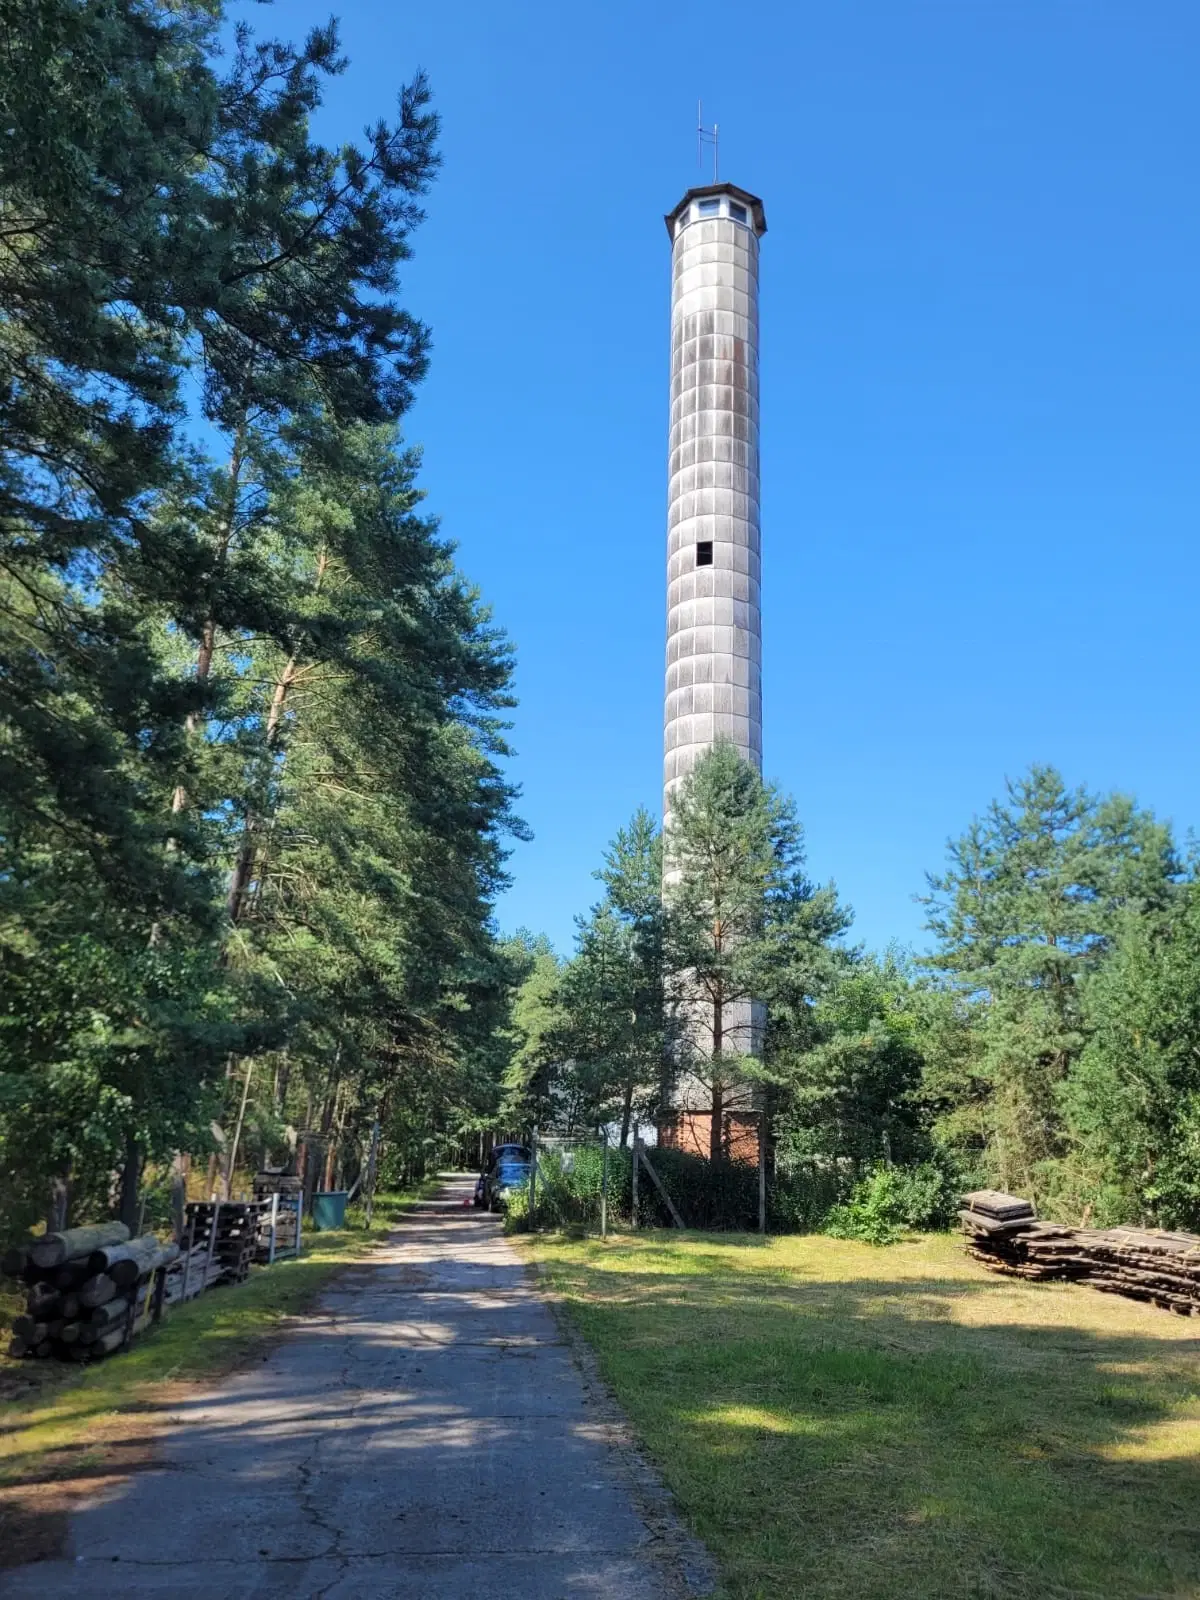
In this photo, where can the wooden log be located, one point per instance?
(97, 1291)
(126, 1263)
(43, 1349)
(69, 1309)
(70, 1332)
(107, 1343)
(43, 1302)
(112, 1311)
(14, 1261)
(29, 1329)
(70, 1276)
(17, 1349)
(55, 1248)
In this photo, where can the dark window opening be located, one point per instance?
(704, 553)
(738, 213)
(708, 208)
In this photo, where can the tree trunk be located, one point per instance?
(131, 1177)
(58, 1204)
(244, 867)
(208, 635)
(716, 1142)
(626, 1115)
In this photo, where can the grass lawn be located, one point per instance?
(843, 1421)
(65, 1427)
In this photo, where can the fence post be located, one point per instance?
(636, 1147)
(372, 1157)
(762, 1171)
(533, 1184)
(604, 1190)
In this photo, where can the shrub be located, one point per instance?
(892, 1199)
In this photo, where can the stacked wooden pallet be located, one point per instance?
(281, 1196)
(88, 1290)
(1148, 1264)
(227, 1230)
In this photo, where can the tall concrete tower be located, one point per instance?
(714, 634)
(714, 631)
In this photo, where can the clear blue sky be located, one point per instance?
(981, 395)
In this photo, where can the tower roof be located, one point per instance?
(731, 189)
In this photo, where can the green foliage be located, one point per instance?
(1025, 916)
(743, 926)
(891, 1200)
(1132, 1105)
(853, 1079)
(251, 715)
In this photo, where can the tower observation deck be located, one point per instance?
(714, 634)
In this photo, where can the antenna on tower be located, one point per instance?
(710, 136)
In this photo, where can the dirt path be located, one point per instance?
(427, 1433)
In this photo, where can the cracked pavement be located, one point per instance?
(427, 1431)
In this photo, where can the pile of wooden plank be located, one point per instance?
(1148, 1264)
(227, 1231)
(88, 1290)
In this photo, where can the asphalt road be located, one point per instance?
(428, 1433)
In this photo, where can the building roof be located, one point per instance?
(731, 189)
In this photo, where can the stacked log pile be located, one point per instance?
(88, 1290)
(1147, 1264)
(228, 1232)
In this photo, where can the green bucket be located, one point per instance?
(329, 1209)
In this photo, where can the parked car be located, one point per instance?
(505, 1175)
(499, 1152)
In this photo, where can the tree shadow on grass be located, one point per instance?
(923, 1436)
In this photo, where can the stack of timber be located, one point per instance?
(228, 1232)
(1147, 1264)
(88, 1290)
(1006, 1235)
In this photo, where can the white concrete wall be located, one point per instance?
(714, 636)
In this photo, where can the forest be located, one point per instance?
(1047, 1044)
(255, 810)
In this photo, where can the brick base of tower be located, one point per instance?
(691, 1132)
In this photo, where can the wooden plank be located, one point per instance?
(640, 1152)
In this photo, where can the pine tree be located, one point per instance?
(170, 228)
(1024, 915)
(744, 926)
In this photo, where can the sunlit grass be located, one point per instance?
(843, 1421)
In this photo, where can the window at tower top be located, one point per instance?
(708, 208)
(738, 213)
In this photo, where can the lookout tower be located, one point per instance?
(714, 631)
(714, 634)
